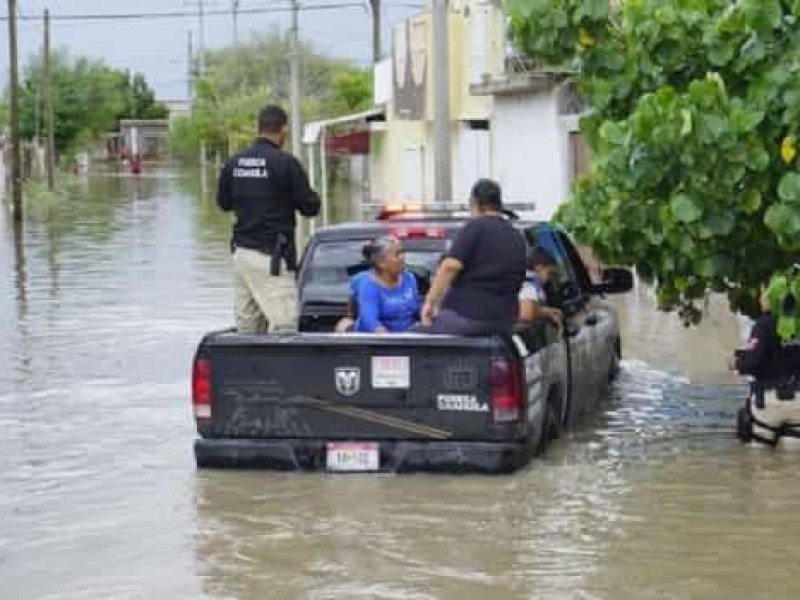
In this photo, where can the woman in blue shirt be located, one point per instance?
(387, 297)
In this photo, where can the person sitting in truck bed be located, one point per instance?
(532, 297)
(481, 276)
(347, 323)
(387, 297)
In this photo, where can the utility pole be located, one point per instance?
(377, 49)
(441, 93)
(294, 67)
(190, 65)
(235, 10)
(16, 157)
(201, 13)
(50, 149)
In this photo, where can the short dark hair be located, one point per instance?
(486, 193)
(272, 119)
(540, 257)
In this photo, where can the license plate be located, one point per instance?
(349, 456)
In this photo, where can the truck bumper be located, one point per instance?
(395, 456)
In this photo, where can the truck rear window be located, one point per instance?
(326, 274)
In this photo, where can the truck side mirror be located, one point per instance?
(616, 280)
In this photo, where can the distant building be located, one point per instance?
(146, 137)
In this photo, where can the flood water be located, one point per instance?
(101, 307)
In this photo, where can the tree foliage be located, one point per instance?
(89, 98)
(695, 111)
(241, 79)
(141, 100)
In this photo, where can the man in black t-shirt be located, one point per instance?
(482, 273)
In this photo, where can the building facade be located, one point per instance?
(510, 120)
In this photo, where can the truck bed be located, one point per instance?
(282, 400)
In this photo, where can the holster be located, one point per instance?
(284, 249)
(757, 390)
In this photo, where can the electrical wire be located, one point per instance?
(183, 14)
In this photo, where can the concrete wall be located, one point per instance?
(529, 151)
(401, 164)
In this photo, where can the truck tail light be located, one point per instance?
(201, 389)
(507, 390)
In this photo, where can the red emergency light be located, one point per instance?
(406, 232)
(396, 210)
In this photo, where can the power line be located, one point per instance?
(183, 14)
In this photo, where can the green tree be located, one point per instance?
(85, 98)
(241, 79)
(89, 98)
(693, 124)
(143, 103)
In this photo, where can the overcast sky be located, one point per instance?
(158, 48)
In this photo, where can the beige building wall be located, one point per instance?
(401, 163)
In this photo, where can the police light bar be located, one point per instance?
(393, 210)
(442, 209)
(418, 232)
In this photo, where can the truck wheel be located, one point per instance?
(613, 371)
(552, 421)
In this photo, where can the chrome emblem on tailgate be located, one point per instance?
(348, 380)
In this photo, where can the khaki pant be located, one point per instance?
(263, 302)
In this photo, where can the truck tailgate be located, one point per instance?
(352, 387)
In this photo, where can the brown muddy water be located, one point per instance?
(101, 306)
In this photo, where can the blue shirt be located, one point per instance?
(393, 308)
(355, 281)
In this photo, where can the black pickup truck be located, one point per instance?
(316, 400)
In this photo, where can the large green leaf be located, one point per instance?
(784, 220)
(751, 201)
(789, 188)
(745, 120)
(685, 209)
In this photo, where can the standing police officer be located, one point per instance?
(772, 412)
(264, 186)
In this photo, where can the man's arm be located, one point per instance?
(750, 360)
(445, 276)
(306, 201)
(457, 259)
(224, 199)
(532, 306)
(530, 311)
